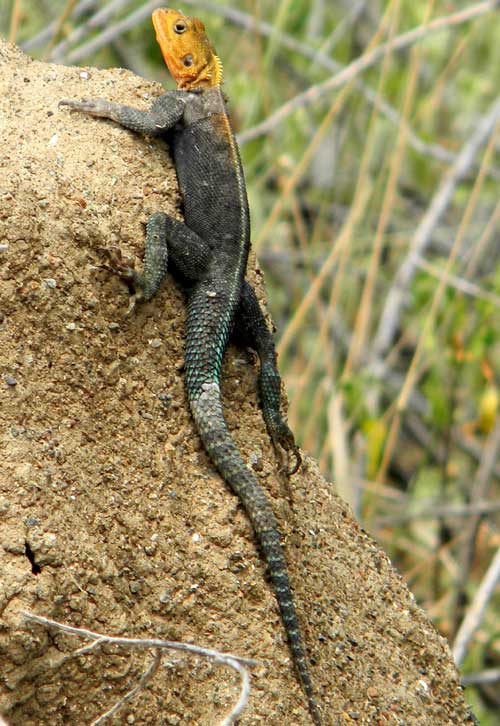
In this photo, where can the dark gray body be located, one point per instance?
(209, 253)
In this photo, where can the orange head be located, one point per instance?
(188, 53)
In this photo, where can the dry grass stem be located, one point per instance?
(477, 609)
(368, 59)
(240, 665)
(391, 313)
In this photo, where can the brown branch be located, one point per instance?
(391, 313)
(435, 511)
(227, 659)
(490, 675)
(478, 492)
(477, 609)
(354, 69)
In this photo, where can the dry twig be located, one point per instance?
(491, 675)
(100, 19)
(478, 492)
(458, 283)
(368, 59)
(235, 662)
(45, 35)
(391, 313)
(14, 20)
(113, 31)
(434, 510)
(476, 611)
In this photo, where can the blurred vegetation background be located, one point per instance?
(370, 135)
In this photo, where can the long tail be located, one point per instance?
(209, 418)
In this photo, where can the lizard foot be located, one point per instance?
(95, 107)
(283, 438)
(118, 265)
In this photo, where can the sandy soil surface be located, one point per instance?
(111, 516)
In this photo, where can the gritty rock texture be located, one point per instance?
(111, 516)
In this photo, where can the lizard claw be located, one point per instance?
(298, 461)
(283, 438)
(136, 297)
(118, 265)
(96, 107)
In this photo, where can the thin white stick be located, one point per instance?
(133, 691)
(476, 610)
(235, 662)
(368, 59)
(45, 35)
(98, 20)
(391, 312)
(491, 675)
(459, 283)
(113, 32)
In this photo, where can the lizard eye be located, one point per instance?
(188, 61)
(179, 27)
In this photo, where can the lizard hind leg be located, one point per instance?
(166, 239)
(252, 330)
(144, 285)
(148, 282)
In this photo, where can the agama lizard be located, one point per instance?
(208, 253)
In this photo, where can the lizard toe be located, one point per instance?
(283, 438)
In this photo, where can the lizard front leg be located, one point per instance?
(189, 253)
(165, 112)
(252, 330)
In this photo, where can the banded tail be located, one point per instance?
(207, 412)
